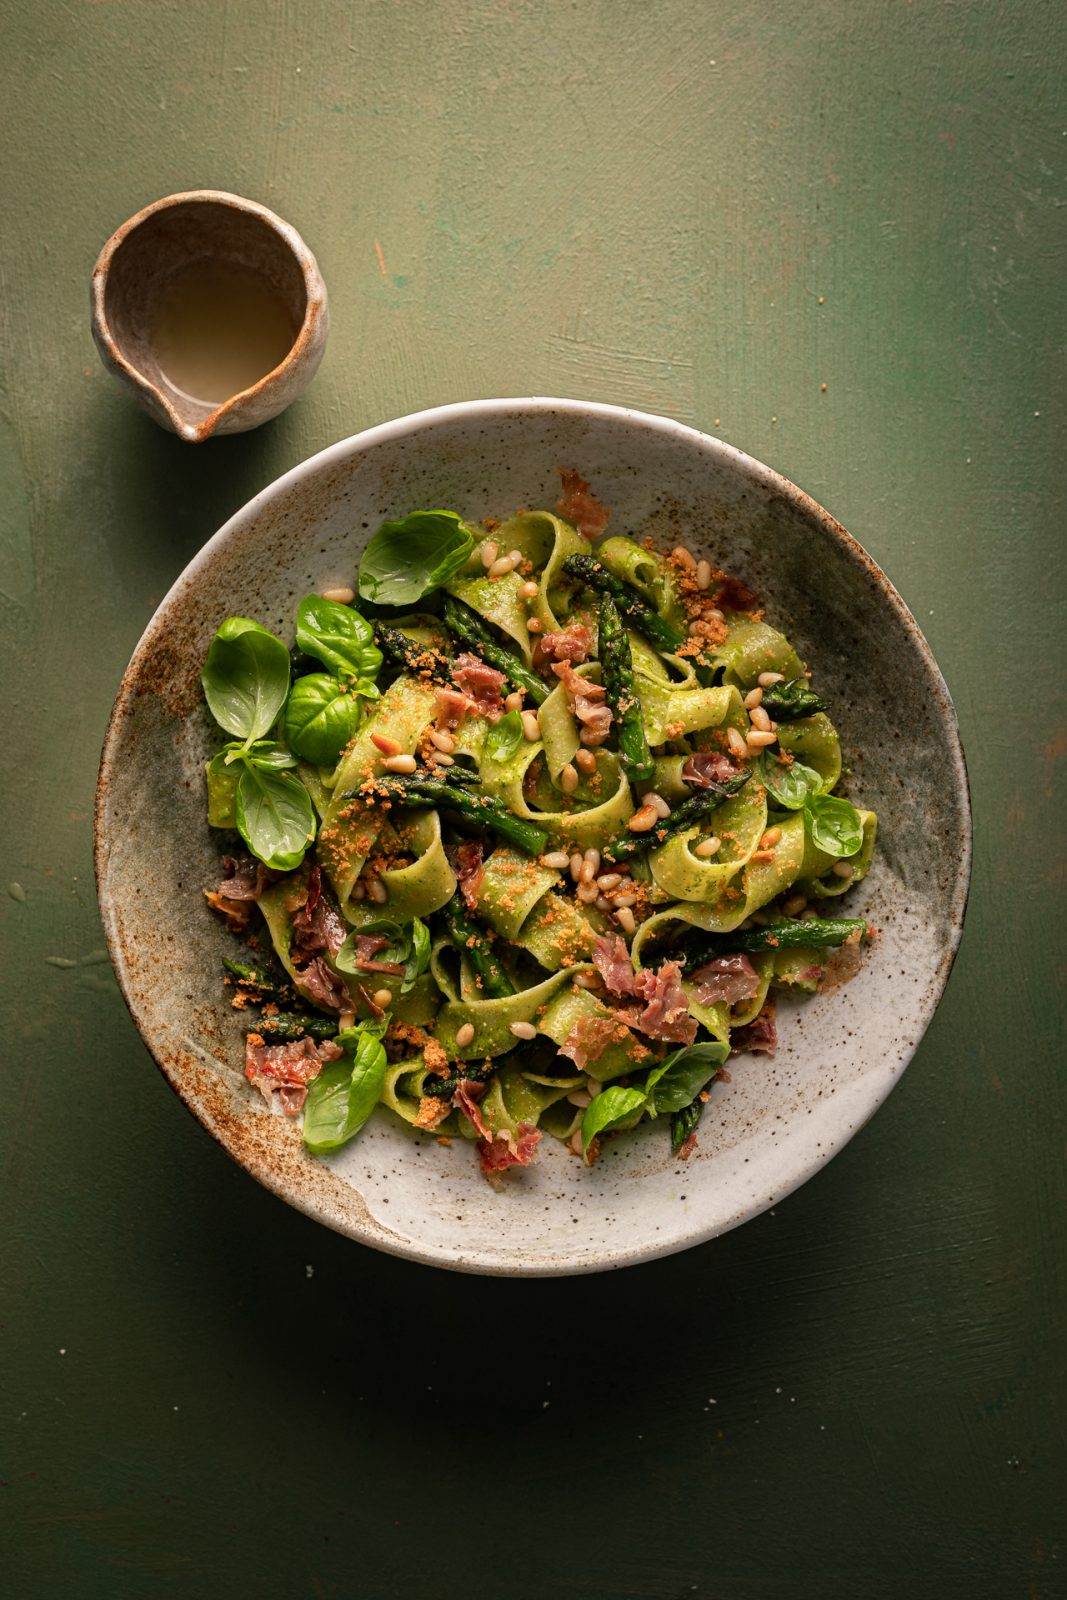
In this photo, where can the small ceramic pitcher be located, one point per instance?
(167, 238)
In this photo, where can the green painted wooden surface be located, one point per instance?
(706, 210)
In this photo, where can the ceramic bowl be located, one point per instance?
(777, 1121)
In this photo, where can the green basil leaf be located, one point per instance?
(221, 792)
(408, 558)
(274, 816)
(834, 825)
(321, 715)
(267, 753)
(345, 1093)
(607, 1110)
(418, 957)
(791, 786)
(677, 1081)
(245, 678)
(504, 737)
(338, 637)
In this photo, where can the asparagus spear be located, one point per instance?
(468, 937)
(817, 933)
(405, 652)
(258, 978)
(684, 1122)
(616, 664)
(664, 635)
(474, 630)
(287, 1025)
(786, 702)
(476, 808)
(445, 1088)
(684, 816)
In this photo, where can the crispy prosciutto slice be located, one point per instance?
(727, 978)
(482, 683)
(317, 925)
(286, 1069)
(760, 1036)
(577, 505)
(468, 1092)
(572, 643)
(707, 767)
(466, 862)
(236, 896)
(452, 707)
(665, 1013)
(497, 1155)
(612, 960)
(323, 986)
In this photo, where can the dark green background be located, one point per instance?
(710, 210)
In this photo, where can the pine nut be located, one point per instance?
(465, 1035)
(501, 566)
(625, 918)
(513, 701)
(585, 760)
(568, 779)
(343, 595)
(766, 679)
(608, 880)
(684, 557)
(377, 891)
(358, 892)
(708, 847)
(489, 552)
(657, 802)
(534, 625)
(557, 859)
(623, 901)
(441, 760)
(530, 726)
(737, 744)
(753, 698)
(579, 1098)
(387, 746)
(383, 998)
(576, 862)
(587, 980)
(770, 838)
(592, 739)
(759, 719)
(587, 893)
(602, 903)
(592, 863)
(843, 869)
(715, 615)
(529, 591)
(642, 820)
(587, 874)
(443, 741)
(759, 740)
(703, 574)
(524, 1030)
(405, 764)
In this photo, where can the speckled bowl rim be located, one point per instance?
(746, 466)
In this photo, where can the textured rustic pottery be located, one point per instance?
(164, 239)
(777, 1121)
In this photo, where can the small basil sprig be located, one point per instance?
(341, 639)
(791, 786)
(321, 715)
(408, 558)
(669, 1088)
(245, 678)
(834, 826)
(607, 1110)
(409, 944)
(504, 737)
(344, 1094)
(676, 1082)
